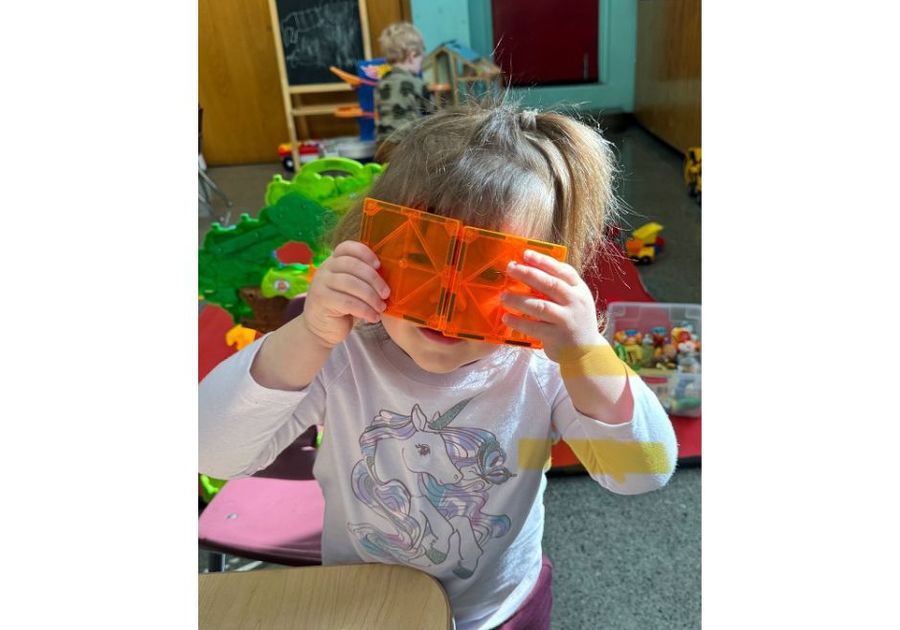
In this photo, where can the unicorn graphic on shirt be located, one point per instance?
(431, 482)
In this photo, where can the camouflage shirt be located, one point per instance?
(400, 98)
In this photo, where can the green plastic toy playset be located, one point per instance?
(304, 209)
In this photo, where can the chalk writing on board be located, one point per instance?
(322, 36)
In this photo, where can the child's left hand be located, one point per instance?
(567, 318)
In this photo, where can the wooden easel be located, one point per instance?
(288, 91)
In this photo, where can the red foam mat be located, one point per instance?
(214, 323)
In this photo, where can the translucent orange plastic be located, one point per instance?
(416, 251)
(445, 275)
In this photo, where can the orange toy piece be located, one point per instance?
(416, 250)
(240, 337)
(445, 275)
(352, 111)
(351, 79)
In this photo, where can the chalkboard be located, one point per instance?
(316, 34)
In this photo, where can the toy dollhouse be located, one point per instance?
(462, 71)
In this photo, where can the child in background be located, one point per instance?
(401, 96)
(435, 449)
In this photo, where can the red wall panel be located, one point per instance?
(546, 42)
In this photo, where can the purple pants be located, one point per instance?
(534, 613)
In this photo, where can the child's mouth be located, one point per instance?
(437, 336)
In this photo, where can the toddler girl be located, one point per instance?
(435, 448)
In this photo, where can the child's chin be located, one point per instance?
(445, 364)
(437, 366)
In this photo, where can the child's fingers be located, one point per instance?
(346, 304)
(356, 267)
(554, 288)
(538, 330)
(357, 250)
(543, 310)
(349, 284)
(564, 271)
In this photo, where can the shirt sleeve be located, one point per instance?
(629, 458)
(243, 426)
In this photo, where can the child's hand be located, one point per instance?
(347, 285)
(567, 318)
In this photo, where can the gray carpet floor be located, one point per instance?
(624, 562)
(620, 562)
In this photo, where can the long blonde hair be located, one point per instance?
(494, 166)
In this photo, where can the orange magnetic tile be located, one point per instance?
(416, 252)
(474, 310)
(447, 276)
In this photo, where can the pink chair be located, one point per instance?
(274, 516)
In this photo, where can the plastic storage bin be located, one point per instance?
(642, 334)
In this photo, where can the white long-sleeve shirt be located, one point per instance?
(441, 472)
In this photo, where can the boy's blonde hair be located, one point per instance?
(400, 39)
(542, 175)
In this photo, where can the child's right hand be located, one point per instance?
(347, 285)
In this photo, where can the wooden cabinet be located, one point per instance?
(667, 74)
(239, 89)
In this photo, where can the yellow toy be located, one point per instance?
(692, 171)
(239, 337)
(645, 243)
(629, 346)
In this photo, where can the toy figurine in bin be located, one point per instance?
(660, 343)
(629, 347)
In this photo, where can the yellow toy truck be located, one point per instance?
(645, 243)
